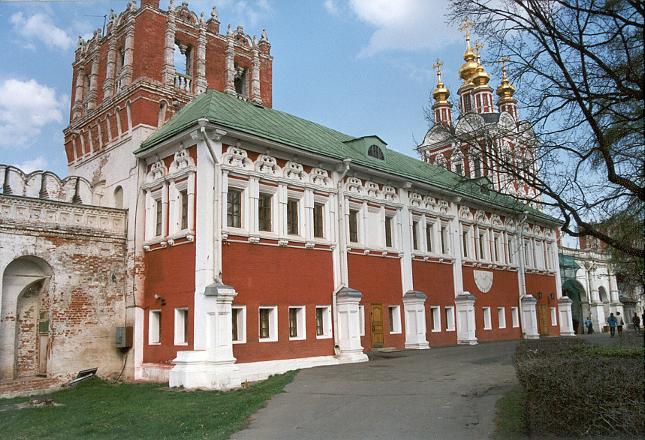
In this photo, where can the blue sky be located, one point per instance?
(359, 66)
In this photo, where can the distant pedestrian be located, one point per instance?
(636, 321)
(612, 322)
(619, 323)
(589, 325)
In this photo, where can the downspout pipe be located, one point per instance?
(217, 232)
(342, 242)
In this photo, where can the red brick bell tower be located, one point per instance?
(148, 64)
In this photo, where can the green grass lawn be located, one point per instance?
(98, 409)
(510, 420)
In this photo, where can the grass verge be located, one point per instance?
(510, 418)
(97, 409)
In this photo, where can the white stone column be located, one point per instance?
(466, 324)
(128, 56)
(566, 319)
(255, 75)
(613, 288)
(348, 326)
(406, 243)
(415, 320)
(529, 317)
(200, 84)
(78, 96)
(169, 48)
(214, 367)
(455, 249)
(94, 76)
(230, 64)
(108, 84)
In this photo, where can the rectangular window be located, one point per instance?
(319, 223)
(234, 208)
(487, 319)
(464, 239)
(511, 250)
(450, 318)
(445, 248)
(415, 237)
(501, 317)
(429, 237)
(238, 321)
(361, 319)
(323, 322)
(388, 232)
(395, 318)
(554, 317)
(496, 247)
(296, 323)
(515, 317)
(353, 225)
(292, 216)
(268, 324)
(183, 195)
(154, 327)
(264, 212)
(158, 217)
(482, 246)
(181, 326)
(435, 317)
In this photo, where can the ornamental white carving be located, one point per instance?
(483, 280)
(444, 207)
(465, 213)
(416, 200)
(354, 185)
(266, 164)
(373, 190)
(430, 202)
(238, 158)
(480, 217)
(295, 171)
(389, 192)
(320, 177)
(157, 171)
(496, 221)
(182, 161)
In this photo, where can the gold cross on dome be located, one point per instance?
(437, 64)
(478, 46)
(466, 25)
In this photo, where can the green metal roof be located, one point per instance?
(230, 112)
(568, 262)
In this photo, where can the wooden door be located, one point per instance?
(543, 319)
(43, 342)
(376, 318)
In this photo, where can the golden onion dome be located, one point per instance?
(440, 92)
(469, 68)
(505, 91)
(481, 77)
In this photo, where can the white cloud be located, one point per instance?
(404, 24)
(39, 27)
(331, 7)
(246, 12)
(39, 163)
(25, 108)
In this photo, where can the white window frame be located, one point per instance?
(181, 318)
(501, 317)
(326, 322)
(275, 210)
(273, 324)
(301, 320)
(446, 225)
(467, 241)
(416, 247)
(297, 196)
(430, 222)
(326, 218)
(243, 187)
(154, 197)
(435, 313)
(515, 317)
(174, 205)
(554, 317)
(361, 318)
(352, 206)
(488, 324)
(154, 327)
(449, 312)
(396, 319)
(241, 324)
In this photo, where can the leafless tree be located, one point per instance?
(578, 69)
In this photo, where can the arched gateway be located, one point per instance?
(574, 290)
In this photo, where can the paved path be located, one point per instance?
(442, 393)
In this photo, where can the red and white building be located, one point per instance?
(259, 242)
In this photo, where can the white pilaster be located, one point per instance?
(348, 326)
(529, 317)
(566, 320)
(466, 324)
(406, 243)
(415, 320)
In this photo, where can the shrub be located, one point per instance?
(573, 389)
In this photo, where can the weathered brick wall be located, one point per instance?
(75, 274)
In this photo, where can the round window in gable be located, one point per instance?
(375, 151)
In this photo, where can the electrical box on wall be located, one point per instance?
(124, 337)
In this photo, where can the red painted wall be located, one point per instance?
(379, 280)
(170, 273)
(436, 280)
(504, 293)
(279, 276)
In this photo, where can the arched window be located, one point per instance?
(118, 197)
(376, 152)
